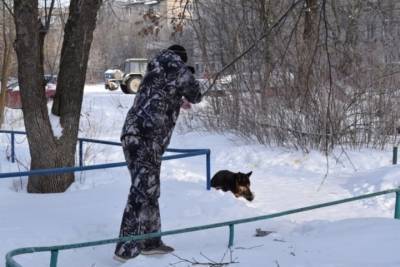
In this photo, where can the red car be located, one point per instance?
(14, 97)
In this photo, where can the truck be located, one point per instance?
(129, 79)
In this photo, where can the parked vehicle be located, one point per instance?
(129, 79)
(14, 97)
(112, 78)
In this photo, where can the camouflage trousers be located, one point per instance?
(142, 212)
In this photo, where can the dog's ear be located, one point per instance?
(248, 175)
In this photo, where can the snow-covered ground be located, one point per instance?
(360, 233)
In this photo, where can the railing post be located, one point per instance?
(80, 153)
(12, 147)
(231, 235)
(53, 259)
(397, 206)
(208, 170)
(394, 155)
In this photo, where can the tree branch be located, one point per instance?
(9, 9)
(211, 263)
(48, 16)
(251, 47)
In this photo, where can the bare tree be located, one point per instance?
(116, 37)
(46, 149)
(325, 76)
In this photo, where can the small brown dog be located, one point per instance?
(238, 183)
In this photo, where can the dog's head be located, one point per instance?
(242, 181)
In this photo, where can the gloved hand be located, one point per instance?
(186, 104)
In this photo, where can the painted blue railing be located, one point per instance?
(180, 153)
(54, 250)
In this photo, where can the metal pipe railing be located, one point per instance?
(10, 262)
(13, 133)
(92, 167)
(183, 153)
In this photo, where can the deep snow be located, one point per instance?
(360, 233)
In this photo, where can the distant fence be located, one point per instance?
(54, 250)
(180, 153)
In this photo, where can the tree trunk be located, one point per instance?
(307, 47)
(48, 151)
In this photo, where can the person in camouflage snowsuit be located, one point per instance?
(145, 136)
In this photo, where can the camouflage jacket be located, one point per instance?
(157, 104)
